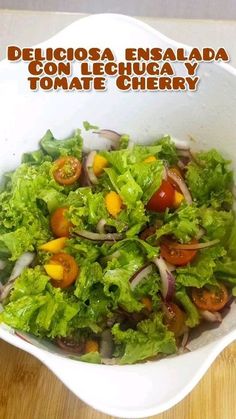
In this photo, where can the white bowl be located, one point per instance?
(207, 115)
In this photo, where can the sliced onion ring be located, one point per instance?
(139, 275)
(25, 260)
(89, 167)
(109, 134)
(185, 338)
(211, 316)
(89, 235)
(100, 226)
(193, 246)
(182, 186)
(168, 279)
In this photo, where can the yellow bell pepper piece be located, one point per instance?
(91, 346)
(99, 163)
(178, 198)
(113, 203)
(147, 302)
(54, 246)
(150, 159)
(54, 271)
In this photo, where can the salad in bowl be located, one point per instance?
(117, 255)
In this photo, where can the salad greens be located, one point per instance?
(117, 253)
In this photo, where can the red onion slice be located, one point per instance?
(109, 134)
(180, 145)
(171, 267)
(182, 186)
(89, 167)
(193, 246)
(211, 316)
(100, 226)
(184, 153)
(167, 278)
(89, 235)
(185, 338)
(181, 165)
(70, 346)
(139, 275)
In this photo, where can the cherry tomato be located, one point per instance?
(213, 299)
(67, 170)
(175, 319)
(163, 198)
(178, 257)
(70, 267)
(60, 225)
(149, 231)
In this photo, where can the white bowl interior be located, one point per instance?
(207, 115)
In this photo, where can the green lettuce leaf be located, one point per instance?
(226, 271)
(210, 180)
(122, 160)
(24, 222)
(201, 271)
(91, 357)
(218, 224)
(148, 176)
(95, 304)
(231, 244)
(125, 186)
(71, 146)
(87, 126)
(35, 157)
(129, 256)
(150, 339)
(193, 317)
(124, 142)
(183, 223)
(150, 287)
(168, 150)
(37, 307)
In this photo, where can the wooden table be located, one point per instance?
(28, 390)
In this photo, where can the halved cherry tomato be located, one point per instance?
(178, 257)
(60, 225)
(175, 319)
(70, 269)
(163, 198)
(212, 299)
(67, 170)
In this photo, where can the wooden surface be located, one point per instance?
(28, 390)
